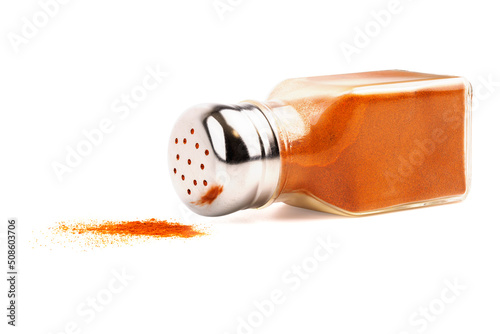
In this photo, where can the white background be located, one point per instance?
(64, 80)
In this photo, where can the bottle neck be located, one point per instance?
(285, 123)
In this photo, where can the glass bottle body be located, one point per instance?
(371, 142)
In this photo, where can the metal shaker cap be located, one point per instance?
(224, 158)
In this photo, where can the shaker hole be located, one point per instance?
(202, 166)
(192, 131)
(197, 146)
(189, 191)
(184, 141)
(205, 183)
(175, 170)
(178, 157)
(189, 161)
(176, 140)
(195, 182)
(183, 177)
(206, 152)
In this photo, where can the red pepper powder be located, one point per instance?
(211, 195)
(367, 148)
(93, 234)
(149, 227)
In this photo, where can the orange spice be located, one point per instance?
(376, 140)
(210, 195)
(148, 227)
(94, 234)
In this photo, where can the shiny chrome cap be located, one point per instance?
(224, 158)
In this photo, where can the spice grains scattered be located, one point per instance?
(94, 234)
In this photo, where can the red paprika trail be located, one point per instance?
(93, 234)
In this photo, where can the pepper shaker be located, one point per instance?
(351, 144)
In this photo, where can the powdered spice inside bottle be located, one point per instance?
(350, 144)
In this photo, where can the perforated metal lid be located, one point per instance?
(224, 158)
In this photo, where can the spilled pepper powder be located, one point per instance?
(95, 234)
